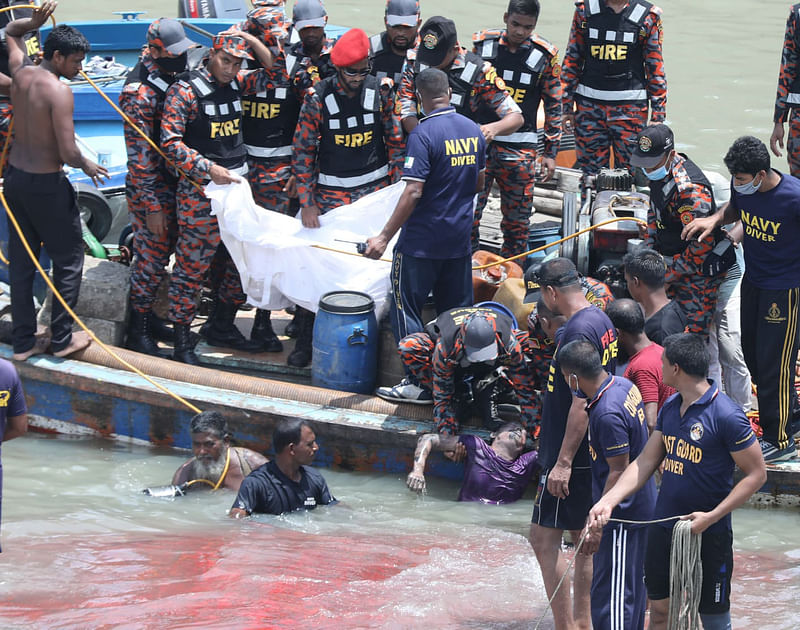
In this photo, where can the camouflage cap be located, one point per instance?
(232, 44)
(308, 13)
(267, 23)
(402, 12)
(479, 334)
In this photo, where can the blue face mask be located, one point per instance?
(656, 175)
(576, 391)
(749, 188)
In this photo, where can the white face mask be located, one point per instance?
(750, 188)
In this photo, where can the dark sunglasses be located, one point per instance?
(353, 72)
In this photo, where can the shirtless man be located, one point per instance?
(37, 189)
(214, 455)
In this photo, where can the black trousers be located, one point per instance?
(45, 207)
(770, 343)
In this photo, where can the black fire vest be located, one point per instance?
(522, 73)
(613, 71)
(269, 119)
(462, 81)
(668, 221)
(294, 59)
(385, 63)
(159, 84)
(448, 325)
(216, 133)
(352, 152)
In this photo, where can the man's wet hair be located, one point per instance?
(688, 351)
(524, 7)
(210, 422)
(288, 432)
(512, 425)
(626, 315)
(66, 40)
(582, 358)
(432, 82)
(747, 155)
(647, 265)
(559, 273)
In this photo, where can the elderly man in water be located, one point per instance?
(497, 473)
(215, 463)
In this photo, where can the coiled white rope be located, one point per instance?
(685, 578)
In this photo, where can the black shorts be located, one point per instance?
(569, 513)
(716, 556)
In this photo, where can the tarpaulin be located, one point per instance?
(276, 257)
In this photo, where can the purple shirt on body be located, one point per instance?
(489, 478)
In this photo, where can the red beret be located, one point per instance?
(350, 48)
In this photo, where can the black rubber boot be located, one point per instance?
(139, 339)
(301, 355)
(184, 346)
(160, 330)
(262, 332)
(292, 327)
(223, 331)
(486, 402)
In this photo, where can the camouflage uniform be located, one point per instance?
(531, 74)
(788, 100)
(149, 188)
(597, 293)
(312, 145)
(539, 350)
(684, 196)
(436, 366)
(611, 99)
(303, 70)
(198, 232)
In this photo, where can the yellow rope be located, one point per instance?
(222, 477)
(558, 242)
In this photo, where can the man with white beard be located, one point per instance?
(215, 463)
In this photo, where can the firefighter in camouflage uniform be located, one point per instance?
(788, 99)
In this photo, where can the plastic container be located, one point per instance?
(345, 346)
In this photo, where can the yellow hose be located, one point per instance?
(221, 478)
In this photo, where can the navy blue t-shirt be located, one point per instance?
(771, 222)
(446, 151)
(267, 490)
(698, 468)
(592, 325)
(12, 404)
(617, 427)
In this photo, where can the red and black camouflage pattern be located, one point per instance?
(513, 167)
(149, 189)
(436, 370)
(598, 127)
(695, 293)
(789, 74)
(198, 231)
(305, 151)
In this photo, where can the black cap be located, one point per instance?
(532, 288)
(436, 38)
(653, 143)
(557, 272)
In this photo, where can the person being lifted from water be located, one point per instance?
(215, 463)
(497, 473)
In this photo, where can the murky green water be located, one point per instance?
(722, 56)
(82, 548)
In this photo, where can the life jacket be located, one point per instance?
(522, 73)
(793, 97)
(670, 224)
(216, 133)
(269, 118)
(385, 63)
(447, 326)
(158, 83)
(296, 60)
(613, 70)
(462, 80)
(352, 152)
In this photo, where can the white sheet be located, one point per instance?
(275, 257)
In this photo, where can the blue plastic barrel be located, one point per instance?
(345, 347)
(500, 308)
